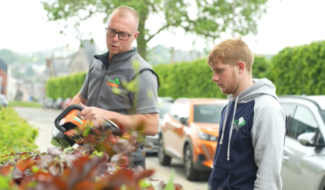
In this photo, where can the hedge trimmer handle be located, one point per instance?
(64, 113)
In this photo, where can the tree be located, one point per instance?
(8, 56)
(206, 18)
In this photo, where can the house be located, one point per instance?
(84, 56)
(78, 62)
(3, 77)
(58, 66)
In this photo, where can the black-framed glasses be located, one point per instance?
(121, 35)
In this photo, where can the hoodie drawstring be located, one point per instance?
(224, 123)
(231, 128)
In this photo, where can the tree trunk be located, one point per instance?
(142, 45)
(141, 41)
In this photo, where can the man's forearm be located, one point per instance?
(78, 99)
(146, 124)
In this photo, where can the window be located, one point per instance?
(303, 121)
(207, 113)
(164, 107)
(289, 109)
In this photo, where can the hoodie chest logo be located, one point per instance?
(113, 83)
(237, 124)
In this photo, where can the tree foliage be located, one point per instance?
(206, 18)
(260, 67)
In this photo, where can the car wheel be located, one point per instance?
(163, 158)
(190, 172)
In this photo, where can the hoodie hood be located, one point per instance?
(260, 87)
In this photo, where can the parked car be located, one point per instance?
(58, 103)
(166, 99)
(189, 132)
(3, 100)
(303, 161)
(66, 103)
(48, 103)
(164, 104)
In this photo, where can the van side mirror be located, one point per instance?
(307, 139)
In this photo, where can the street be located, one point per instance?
(43, 120)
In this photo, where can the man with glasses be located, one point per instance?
(105, 92)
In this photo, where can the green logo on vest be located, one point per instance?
(113, 83)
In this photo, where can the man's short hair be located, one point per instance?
(231, 51)
(125, 11)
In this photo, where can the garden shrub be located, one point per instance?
(16, 135)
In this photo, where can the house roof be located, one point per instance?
(3, 65)
(90, 49)
(61, 65)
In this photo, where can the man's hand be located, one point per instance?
(94, 114)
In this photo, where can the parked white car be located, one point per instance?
(3, 100)
(303, 160)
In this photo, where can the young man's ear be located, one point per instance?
(241, 67)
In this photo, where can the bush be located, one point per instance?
(260, 67)
(66, 86)
(16, 134)
(103, 167)
(299, 70)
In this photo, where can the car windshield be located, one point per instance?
(164, 108)
(207, 113)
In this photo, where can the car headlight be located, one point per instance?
(207, 137)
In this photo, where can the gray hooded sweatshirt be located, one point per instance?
(251, 140)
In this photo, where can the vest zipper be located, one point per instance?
(101, 83)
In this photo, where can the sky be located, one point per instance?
(24, 28)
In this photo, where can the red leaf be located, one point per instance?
(22, 165)
(43, 176)
(6, 170)
(84, 185)
(143, 174)
(121, 177)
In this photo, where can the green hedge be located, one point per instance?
(185, 79)
(294, 70)
(260, 67)
(65, 87)
(16, 135)
(299, 70)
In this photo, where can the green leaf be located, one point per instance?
(86, 132)
(4, 182)
(145, 183)
(116, 90)
(170, 184)
(69, 150)
(35, 169)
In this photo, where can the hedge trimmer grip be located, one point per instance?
(72, 127)
(65, 112)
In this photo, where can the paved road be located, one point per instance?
(43, 119)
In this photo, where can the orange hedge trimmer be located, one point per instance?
(71, 128)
